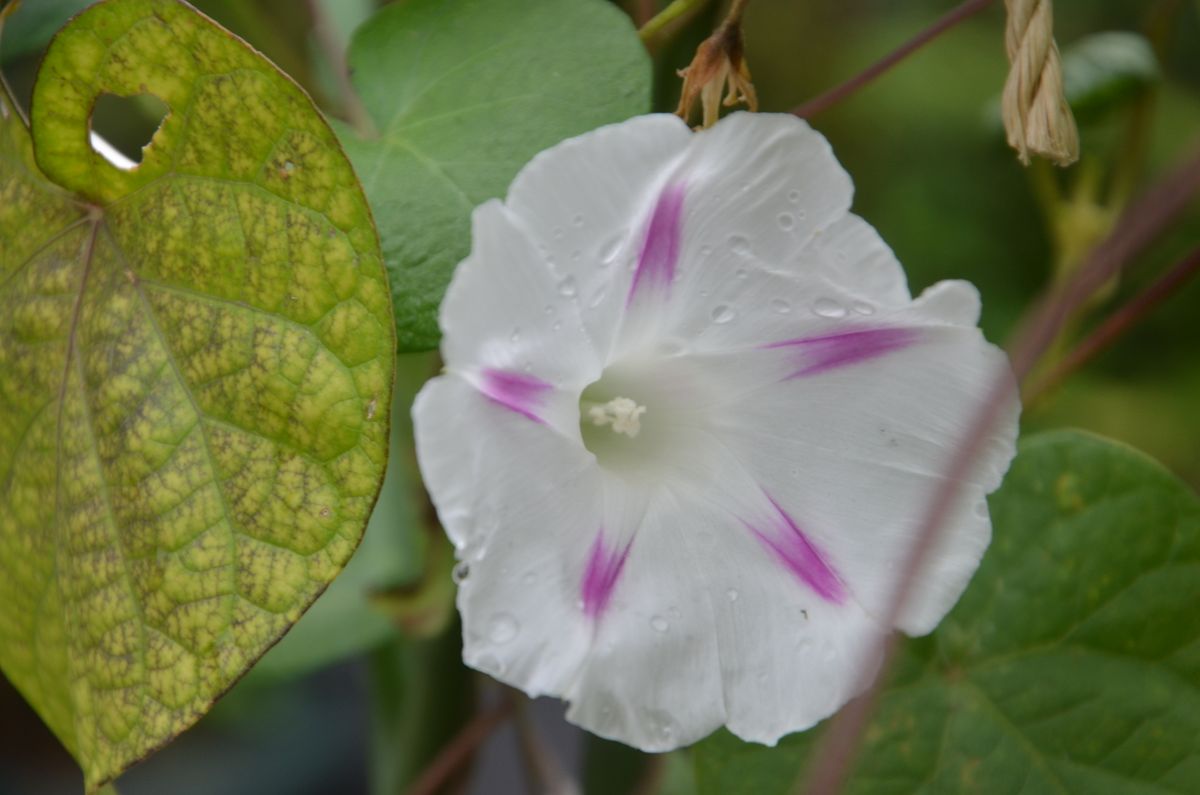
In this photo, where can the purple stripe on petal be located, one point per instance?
(517, 392)
(794, 550)
(600, 578)
(660, 250)
(831, 351)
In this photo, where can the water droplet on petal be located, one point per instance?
(780, 305)
(567, 288)
(557, 325)
(723, 313)
(515, 336)
(786, 221)
(863, 308)
(740, 245)
(577, 220)
(705, 251)
(598, 298)
(732, 594)
(489, 664)
(742, 273)
(460, 573)
(827, 307)
(558, 232)
(502, 628)
(549, 310)
(576, 255)
(608, 251)
(529, 579)
(672, 347)
(793, 196)
(659, 624)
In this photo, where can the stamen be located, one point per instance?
(623, 414)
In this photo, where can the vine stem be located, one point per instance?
(335, 53)
(838, 93)
(658, 23)
(1119, 322)
(1140, 225)
(458, 750)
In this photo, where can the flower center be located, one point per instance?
(641, 418)
(621, 414)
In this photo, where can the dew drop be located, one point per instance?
(863, 308)
(502, 628)
(558, 232)
(671, 347)
(780, 305)
(740, 245)
(576, 255)
(608, 251)
(742, 273)
(801, 215)
(674, 612)
(732, 594)
(577, 220)
(549, 310)
(289, 166)
(723, 313)
(567, 288)
(705, 251)
(460, 573)
(598, 298)
(794, 196)
(529, 579)
(827, 307)
(786, 221)
(557, 325)
(515, 336)
(528, 367)
(659, 624)
(489, 664)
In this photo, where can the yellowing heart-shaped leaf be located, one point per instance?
(196, 364)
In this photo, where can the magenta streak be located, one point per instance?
(600, 578)
(523, 394)
(829, 352)
(799, 554)
(660, 250)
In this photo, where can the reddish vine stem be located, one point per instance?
(457, 751)
(838, 93)
(1120, 322)
(1140, 225)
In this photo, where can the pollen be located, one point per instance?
(623, 414)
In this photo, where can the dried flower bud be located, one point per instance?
(718, 62)
(1037, 116)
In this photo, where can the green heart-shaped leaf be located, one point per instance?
(464, 93)
(196, 363)
(1071, 665)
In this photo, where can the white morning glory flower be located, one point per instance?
(690, 420)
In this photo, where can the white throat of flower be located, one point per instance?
(621, 413)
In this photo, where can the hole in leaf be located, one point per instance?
(123, 127)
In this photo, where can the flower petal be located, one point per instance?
(505, 309)
(589, 203)
(521, 504)
(860, 448)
